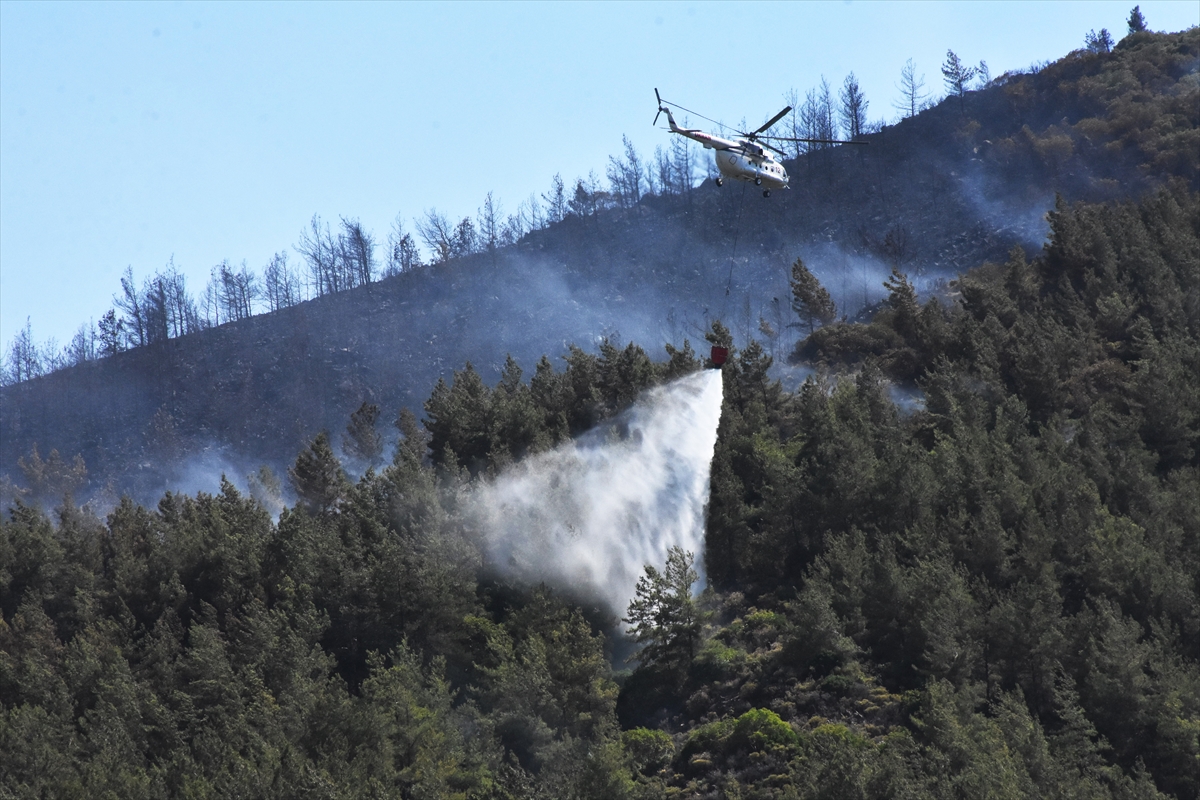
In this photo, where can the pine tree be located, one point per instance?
(317, 476)
(662, 614)
(957, 75)
(810, 300)
(50, 479)
(112, 333)
(1098, 42)
(1136, 22)
(362, 441)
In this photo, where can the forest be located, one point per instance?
(993, 594)
(989, 591)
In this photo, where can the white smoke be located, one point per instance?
(591, 513)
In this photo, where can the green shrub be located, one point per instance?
(648, 750)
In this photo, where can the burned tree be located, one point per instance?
(438, 234)
(362, 442)
(356, 254)
(912, 91)
(853, 109)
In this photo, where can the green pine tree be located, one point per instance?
(317, 476)
(810, 300)
(662, 615)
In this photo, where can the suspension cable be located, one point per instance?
(737, 229)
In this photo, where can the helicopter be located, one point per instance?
(747, 158)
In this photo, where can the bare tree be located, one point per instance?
(983, 75)
(853, 108)
(248, 290)
(82, 348)
(281, 284)
(490, 229)
(356, 254)
(513, 229)
(251, 289)
(794, 127)
(530, 215)
(633, 164)
(320, 253)
(556, 200)
(625, 175)
(220, 288)
(24, 357)
(658, 173)
(156, 308)
(53, 357)
(178, 306)
(816, 115)
(129, 302)
(231, 293)
(403, 254)
(683, 165)
(912, 91)
(211, 309)
(438, 234)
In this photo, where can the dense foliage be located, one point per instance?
(355, 647)
(1101, 121)
(1015, 560)
(992, 593)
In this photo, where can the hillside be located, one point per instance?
(954, 186)
(993, 591)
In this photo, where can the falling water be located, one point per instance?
(591, 513)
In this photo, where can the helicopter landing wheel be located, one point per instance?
(720, 181)
(758, 181)
(766, 192)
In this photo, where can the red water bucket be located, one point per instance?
(719, 354)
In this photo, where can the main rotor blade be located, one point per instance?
(776, 149)
(809, 141)
(774, 119)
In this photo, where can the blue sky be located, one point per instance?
(131, 133)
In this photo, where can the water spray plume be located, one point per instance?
(590, 514)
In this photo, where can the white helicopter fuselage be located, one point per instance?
(738, 159)
(765, 171)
